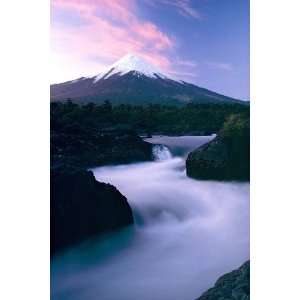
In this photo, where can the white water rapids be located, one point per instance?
(187, 233)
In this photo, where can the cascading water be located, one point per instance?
(161, 152)
(179, 145)
(186, 234)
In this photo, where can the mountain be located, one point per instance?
(132, 80)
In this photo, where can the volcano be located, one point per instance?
(133, 80)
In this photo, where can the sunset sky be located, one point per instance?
(205, 42)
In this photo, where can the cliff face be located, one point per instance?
(231, 286)
(82, 207)
(227, 157)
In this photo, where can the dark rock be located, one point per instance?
(90, 148)
(227, 157)
(82, 207)
(231, 286)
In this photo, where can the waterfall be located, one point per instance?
(161, 152)
(187, 232)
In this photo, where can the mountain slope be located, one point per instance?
(132, 80)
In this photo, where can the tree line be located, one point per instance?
(150, 119)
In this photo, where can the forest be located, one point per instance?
(190, 119)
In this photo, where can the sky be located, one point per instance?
(205, 42)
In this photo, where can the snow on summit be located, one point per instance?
(129, 63)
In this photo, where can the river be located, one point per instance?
(186, 234)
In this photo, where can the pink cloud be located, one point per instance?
(111, 29)
(150, 32)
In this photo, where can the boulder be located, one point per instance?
(227, 157)
(81, 207)
(231, 286)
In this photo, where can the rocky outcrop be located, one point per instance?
(227, 157)
(82, 207)
(231, 286)
(84, 148)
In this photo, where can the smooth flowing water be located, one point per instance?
(186, 234)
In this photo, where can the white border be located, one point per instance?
(24, 165)
(24, 123)
(275, 148)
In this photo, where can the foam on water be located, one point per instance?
(161, 152)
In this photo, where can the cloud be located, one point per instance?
(106, 30)
(183, 75)
(187, 63)
(184, 69)
(220, 66)
(184, 7)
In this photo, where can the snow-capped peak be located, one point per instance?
(129, 63)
